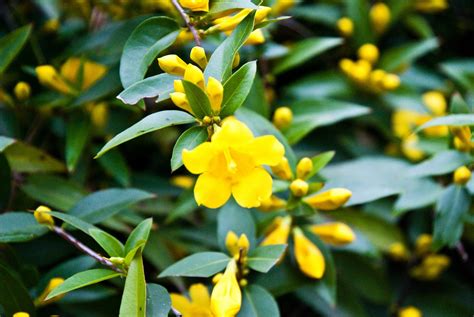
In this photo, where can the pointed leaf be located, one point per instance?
(263, 258)
(134, 295)
(237, 88)
(203, 264)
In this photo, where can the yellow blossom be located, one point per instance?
(48, 76)
(423, 243)
(228, 23)
(463, 133)
(345, 26)
(99, 114)
(431, 6)
(283, 169)
(435, 102)
(91, 72)
(282, 117)
(280, 231)
(299, 187)
(180, 100)
(409, 311)
(398, 251)
(198, 55)
(195, 75)
(410, 148)
(335, 233)
(182, 181)
(237, 246)
(53, 283)
(226, 297)
(215, 92)
(346, 65)
(376, 78)
(404, 121)
(368, 52)
(255, 38)
(462, 175)
(231, 163)
(21, 314)
(361, 71)
(304, 167)
(195, 5)
(330, 199)
(43, 217)
(199, 304)
(309, 258)
(172, 64)
(390, 82)
(431, 267)
(22, 90)
(460, 145)
(380, 16)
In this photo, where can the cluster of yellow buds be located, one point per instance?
(380, 17)
(282, 118)
(430, 267)
(308, 256)
(409, 311)
(53, 283)
(431, 6)
(363, 74)
(462, 138)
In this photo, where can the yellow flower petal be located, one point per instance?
(265, 150)
(199, 295)
(232, 133)
(92, 73)
(211, 191)
(253, 188)
(181, 303)
(226, 297)
(309, 258)
(335, 233)
(280, 233)
(194, 75)
(197, 160)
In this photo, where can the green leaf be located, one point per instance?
(305, 50)
(150, 38)
(108, 242)
(220, 63)
(320, 85)
(5, 180)
(263, 258)
(323, 13)
(185, 205)
(134, 295)
(19, 227)
(406, 54)
(320, 161)
(160, 85)
(203, 264)
(237, 88)
(198, 100)
(73, 221)
(77, 133)
(256, 100)
(310, 114)
(139, 235)
(461, 71)
(419, 25)
(258, 302)
(153, 122)
(158, 301)
(234, 218)
(358, 12)
(11, 44)
(103, 204)
(218, 6)
(114, 164)
(421, 193)
(449, 120)
(14, 296)
(82, 279)
(188, 140)
(451, 208)
(458, 105)
(441, 163)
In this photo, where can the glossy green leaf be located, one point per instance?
(305, 50)
(188, 140)
(114, 164)
(234, 218)
(150, 38)
(449, 120)
(217, 6)
(103, 204)
(73, 221)
(11, 44)
(358, 12)
(160, 85)
(220, 63)
(441, 163)
(256, 100)
(451, 208)
(150, 123)
(77, 133)
(406, 54)
(19, 227)
(461, 71)
(419, 25)
(139, 235)
(323, 13)
(82, 279)
(109, 243)
(202, 264)
(14, 296)
(320, 161)
(310, 114)
(134, 295)
(263, 258)
(319, 85)
(421, 193)
(458, 105)
(158, 301)
(237, 88)
(258, 302)
(198, 100)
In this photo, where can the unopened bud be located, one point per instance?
(22, 90)
(282, 117)
(299, 187)
(304, 167)
(462, 175)
(330, 199)
(43, 217)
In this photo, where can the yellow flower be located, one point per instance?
(404, 121)
(390, 82)
(279, 232)
(462, 175)
(431, 267)
(21, 314)
(198, 55)
(272, 203)
(226, 297)
(281, 6)
(231, 163)
(423, 243)
(255, 38)
(22, 90)
(299, 187)
(228, 23)
(304, 167)
(345, 26)
(410, 149)
(431, 6)
(282, 117)
(215, 92)
(198, 306)
(237, 246)
(409, 311)
(335, 233)
(43, 217)
(361, 71)
(380, 16)
(99, 114)
(172, 64)
(182, 181)
(462, 133)
(435, 102)
(309, 258)
(53, 283)
(195, 75)
(49, 77)
(346, 65)
(195, 5)
(368, 52)
(330, 199)
(398, 251)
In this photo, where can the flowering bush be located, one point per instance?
(236, 158)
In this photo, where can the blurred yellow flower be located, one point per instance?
(308, 256)
(199, 304)
(22, 90)
(345, 26)
(279, 231)
(462, 175)
(282, 117)
(398, 251)
(226, 297)
(380, 16)
(431, 6)
(21, 314)
(53, 283)
(335, 233)
(330, 199)
(409, 311)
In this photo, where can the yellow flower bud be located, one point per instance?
(368, 52)
(460, 145)
(282, 117)
(380, 16)
(180, 100)
(215, 92)
(255, 38)
(231, 243)
(183, 181)
(279, 234)
(229, 23)
(261, 13)
(346, 65)
(335, 233)
(236, 60)
(390, 82)
(345, 26)
(178, 86)
(51, 25)
(272, 203)
(299, 187)
(49, 77)
(409, 311)
(431, 6)
(22, 91)
(410, 148)
(43, 217)
(304, 167)
(423, 244)
(462, 175)
(283, 170)
(330, 199)
(398, 251)
(195, 5)
(217, 278)
(198, 55)
(435, 102)
(282, 6)
(194, 75)
(361, 71)
(21, 314)
(226, 297)
(172, 64)
(463, 133)
(184, 37)
(376, 78)
(243, 282)
(308, 256)
(53, 283)
(99, 114)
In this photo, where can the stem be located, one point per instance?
(176, 312)
(462, 252)
(85, 249)
(185, 17)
